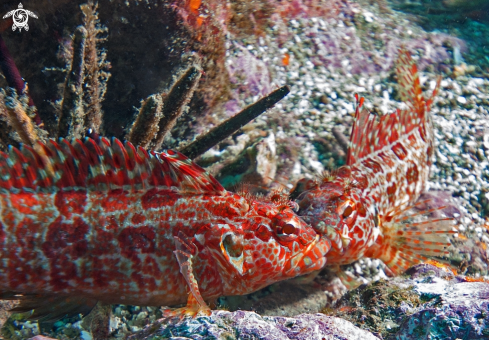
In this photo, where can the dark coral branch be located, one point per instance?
(175, 102)
(12, 75)
(71, 118)
(230, 126)
(145, 126)
(95, 63)
(341, 139)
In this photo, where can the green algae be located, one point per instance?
(10, 329)
(373, 306)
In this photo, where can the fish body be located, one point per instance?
(99, 221)
(362, 207)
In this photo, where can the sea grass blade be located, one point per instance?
(341, 139)
(233, 124)
(96, 68)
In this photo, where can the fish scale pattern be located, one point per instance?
(109, 222)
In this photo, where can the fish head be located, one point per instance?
(338, 211)
(304, 248)
(272, 244)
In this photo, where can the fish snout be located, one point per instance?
(307, 236)
(337, 240)
(310, 259)
(323, 247)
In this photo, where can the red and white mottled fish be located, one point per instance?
(100, 221)
(363, 207)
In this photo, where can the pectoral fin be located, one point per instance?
(409, 239)
(185, 253)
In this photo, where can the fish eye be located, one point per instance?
(284, 229)
(347, 209)
(288, 229)
(347, 212)
(233, 245)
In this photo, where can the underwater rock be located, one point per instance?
(256, 164)
(429, 302)
(5, 307)
(249, 325)
(455, 310)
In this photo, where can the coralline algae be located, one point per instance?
(427, 303)
(249, 325)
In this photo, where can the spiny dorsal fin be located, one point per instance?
(371, 133)
(102, 165)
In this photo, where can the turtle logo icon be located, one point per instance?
(20, 17)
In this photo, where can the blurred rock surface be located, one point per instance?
(249, 325)
(429, 302)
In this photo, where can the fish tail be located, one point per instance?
(371, 133)
(409, 85)
(49, 308)
(407, 240)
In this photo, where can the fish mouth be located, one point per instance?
(310, 259)
(340, 240)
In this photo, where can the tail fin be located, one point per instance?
(409, 87)
(409, 239)
(50, 308)
(371, 133)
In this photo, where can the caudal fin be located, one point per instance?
(408, 239)
(371, 133)
(409, 86)
(50, 308)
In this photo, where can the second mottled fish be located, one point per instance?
(363, 207)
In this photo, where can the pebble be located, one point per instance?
(86, 336)
(461, 100)
(135, 329)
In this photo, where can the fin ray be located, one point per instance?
(50, 308)
(376, 132)
(404, 243)
(102, 165)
